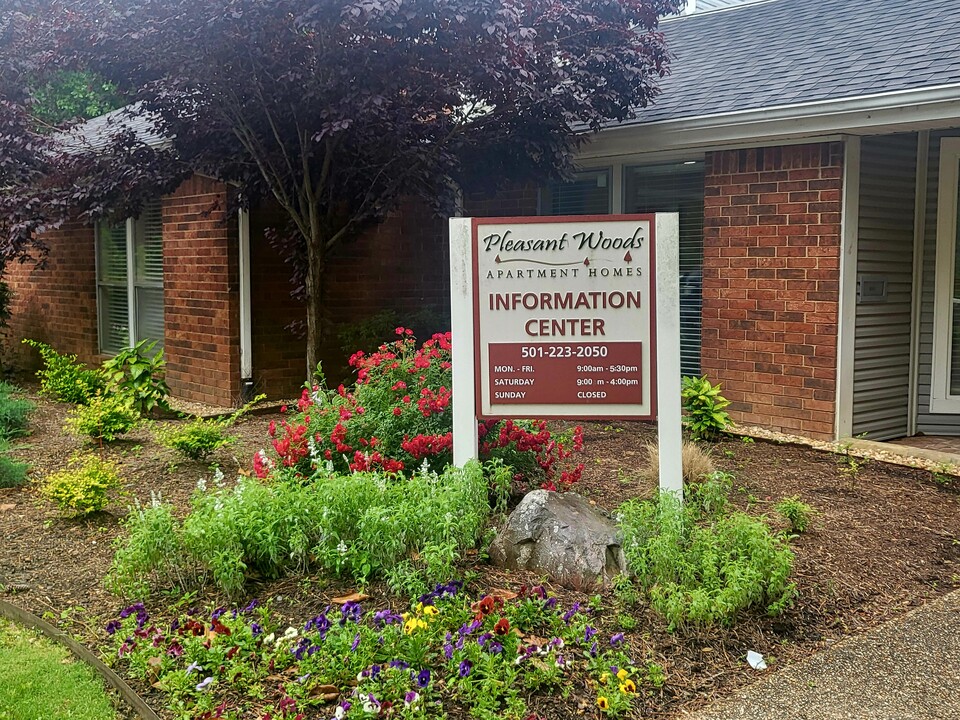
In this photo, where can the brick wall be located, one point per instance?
(771, 283)
(508, 202)
(400, 265)
(56, 304)
(201, 294)
(279, 357)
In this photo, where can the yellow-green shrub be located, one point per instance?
(83, 487)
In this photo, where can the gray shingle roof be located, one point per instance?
(98, 133)
(705, 5)
(781, 52)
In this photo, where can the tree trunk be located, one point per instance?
(316, 261)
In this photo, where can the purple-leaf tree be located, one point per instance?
(334, 110)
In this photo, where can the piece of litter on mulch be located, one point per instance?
(756, 660)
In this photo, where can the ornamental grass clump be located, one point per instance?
(444, 654)
(398, 416)
(14, 412)
(701, 565)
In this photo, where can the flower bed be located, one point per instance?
(444, 654)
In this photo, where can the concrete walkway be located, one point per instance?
(907, 669)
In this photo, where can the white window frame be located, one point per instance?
(941, 401)
(135, 229)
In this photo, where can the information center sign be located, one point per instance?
(565, 315)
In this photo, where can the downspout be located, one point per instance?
(246, 339)
(846, 328)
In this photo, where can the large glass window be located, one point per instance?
(676, 187)
(130, 281)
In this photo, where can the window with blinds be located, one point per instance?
(587, 194)
(676, 187)
(130, 281)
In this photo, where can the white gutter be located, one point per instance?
(923, 108)
(246, 340)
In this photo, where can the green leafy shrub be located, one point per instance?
(12, 472)
(138, 374)
(105, 417)
(358, 526)
(703, 569)
(197, 439)
(200, 437)
(65, 379)
(83, 487)
(704, 406)
(14, 412)
(796, 512)
(398, 416)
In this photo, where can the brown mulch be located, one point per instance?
(884, 539)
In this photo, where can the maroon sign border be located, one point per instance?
(539, 219)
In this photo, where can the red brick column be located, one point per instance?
(201, 293)
(771, 283)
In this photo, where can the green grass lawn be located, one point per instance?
(40, 680)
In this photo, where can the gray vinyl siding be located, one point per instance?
(881, 366)
(927, 422)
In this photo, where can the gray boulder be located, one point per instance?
(563, 536)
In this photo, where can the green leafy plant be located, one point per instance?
(138, 374)
(201, 437)
(84, 487)
(197, 439)
(796, 512)
(848, 463)
(12, 472)
(358, 526)
(704, 407)
(945, 474)
(64, 378)
(703, 569)
(14, 412)
(105, 417)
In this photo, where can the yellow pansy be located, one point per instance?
(413, 624)
(603, 703)
(622, 674)
(430, 610)
(628, 687)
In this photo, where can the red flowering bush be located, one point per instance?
(398, 415)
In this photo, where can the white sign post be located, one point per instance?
(567, 317)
